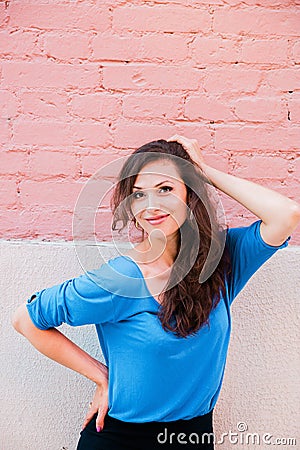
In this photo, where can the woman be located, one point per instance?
(162, 312)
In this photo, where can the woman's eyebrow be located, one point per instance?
(162, 182)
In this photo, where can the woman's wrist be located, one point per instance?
(206, 169)
(100, 376)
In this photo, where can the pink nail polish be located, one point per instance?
(98, 429)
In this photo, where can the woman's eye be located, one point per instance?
(139, 194)
(167, 187)
(136, 194)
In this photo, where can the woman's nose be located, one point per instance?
(151, 200)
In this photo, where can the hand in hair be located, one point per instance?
(191, 146)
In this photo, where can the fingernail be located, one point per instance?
(98, 429)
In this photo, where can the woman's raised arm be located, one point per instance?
(280, 215)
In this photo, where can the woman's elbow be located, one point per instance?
(20, 319)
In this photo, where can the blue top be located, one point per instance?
(153, 375)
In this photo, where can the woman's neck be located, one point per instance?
(157, 249)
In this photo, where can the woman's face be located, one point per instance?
(159, 191)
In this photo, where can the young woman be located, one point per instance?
(162, 311)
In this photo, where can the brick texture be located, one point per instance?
(83, 84)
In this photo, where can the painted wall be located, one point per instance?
(85, 82)
(44, 404)
(82, 84)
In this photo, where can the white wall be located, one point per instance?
(44, 404)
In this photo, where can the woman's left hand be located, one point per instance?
(191, 146)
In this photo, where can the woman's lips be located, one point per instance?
(157, 220)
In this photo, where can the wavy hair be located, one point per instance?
(185, 303)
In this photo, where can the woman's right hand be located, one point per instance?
(98, 405)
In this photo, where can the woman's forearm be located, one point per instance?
(58, 347)
(268, 205)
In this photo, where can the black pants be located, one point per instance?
(176, 435)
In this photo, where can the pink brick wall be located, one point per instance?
(85, 82)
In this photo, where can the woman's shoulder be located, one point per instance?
(122, 264)
(120, 269)
(121, 276)
(115, 270)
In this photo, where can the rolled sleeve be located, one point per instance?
(248, 252)
(78, 301)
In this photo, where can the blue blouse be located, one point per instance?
(153, 375)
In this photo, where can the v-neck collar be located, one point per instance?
(142, 277)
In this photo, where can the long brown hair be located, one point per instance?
(185, 307)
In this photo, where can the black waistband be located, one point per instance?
(203, 422)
